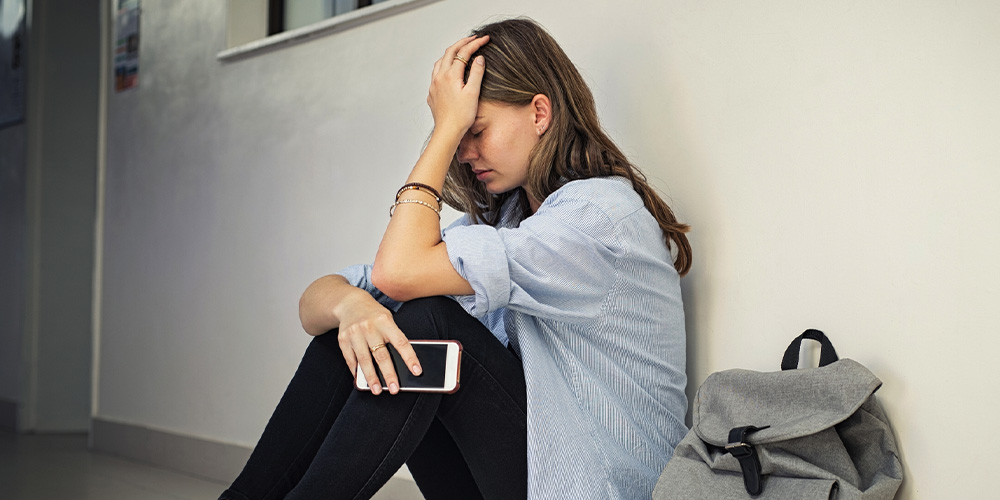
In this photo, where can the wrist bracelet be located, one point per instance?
(418, 202)
(420, 187)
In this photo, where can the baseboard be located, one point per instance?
(8, 415)
(195, 456)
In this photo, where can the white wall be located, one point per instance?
(837, 161)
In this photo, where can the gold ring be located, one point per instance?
(377, 347)
(464, 60)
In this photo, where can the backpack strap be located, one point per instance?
(827, 354)
(747, 456)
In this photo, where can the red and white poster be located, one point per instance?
(127, 45)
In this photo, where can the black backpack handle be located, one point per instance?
(827, 354)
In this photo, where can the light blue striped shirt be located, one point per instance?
(586, 292)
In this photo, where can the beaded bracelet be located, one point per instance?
(420, 187)
(418, 202)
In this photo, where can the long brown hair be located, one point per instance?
(523, 60)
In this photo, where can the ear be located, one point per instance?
(541, 106)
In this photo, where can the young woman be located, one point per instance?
(559, 282)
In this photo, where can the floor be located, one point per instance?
(60, 467)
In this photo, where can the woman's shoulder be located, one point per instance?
(613, 196)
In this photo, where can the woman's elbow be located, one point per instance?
(306, 317)
(392, 282)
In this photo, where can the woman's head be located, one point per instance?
(527, 70)
(523, 61)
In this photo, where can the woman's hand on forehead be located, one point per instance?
(453, 102)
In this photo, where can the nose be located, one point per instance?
(466, 149)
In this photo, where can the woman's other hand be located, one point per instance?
(331, 302)
(366, 327)
(454, 103)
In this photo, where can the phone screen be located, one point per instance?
(432, 362)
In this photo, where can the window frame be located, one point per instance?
(356, 17)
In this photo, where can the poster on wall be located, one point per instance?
(12, 61)
(127, 45)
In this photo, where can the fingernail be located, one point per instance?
(393, 388)
(416, 369)
(479, 60)
(376, 389)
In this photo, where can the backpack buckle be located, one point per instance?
(739, 450)
(747, 456)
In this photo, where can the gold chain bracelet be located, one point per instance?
(418, 202)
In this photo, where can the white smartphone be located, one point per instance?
(440, 361)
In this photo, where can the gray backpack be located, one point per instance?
(802, 434)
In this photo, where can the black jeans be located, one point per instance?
(327, 440)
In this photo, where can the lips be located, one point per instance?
(481, 174)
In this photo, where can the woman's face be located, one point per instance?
(497, 145)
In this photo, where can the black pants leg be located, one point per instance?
(438, 467)
(327, 440)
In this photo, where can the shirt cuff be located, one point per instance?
(479, 256)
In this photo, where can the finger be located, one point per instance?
(360, 345)
(405, 350)
(476, 74)
(388, 330)
(472, 46)
(384, 361)
(463, 50)
(449, 54)
(463, 57)
(348, 351)
(452, 49)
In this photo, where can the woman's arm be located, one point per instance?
(323, 299)
(412, 261)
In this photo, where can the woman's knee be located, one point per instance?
(441, 318)
(433, 305)
(427, 318)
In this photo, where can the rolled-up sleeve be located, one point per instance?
(476, 253)
(360, 275)
(557, 264)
